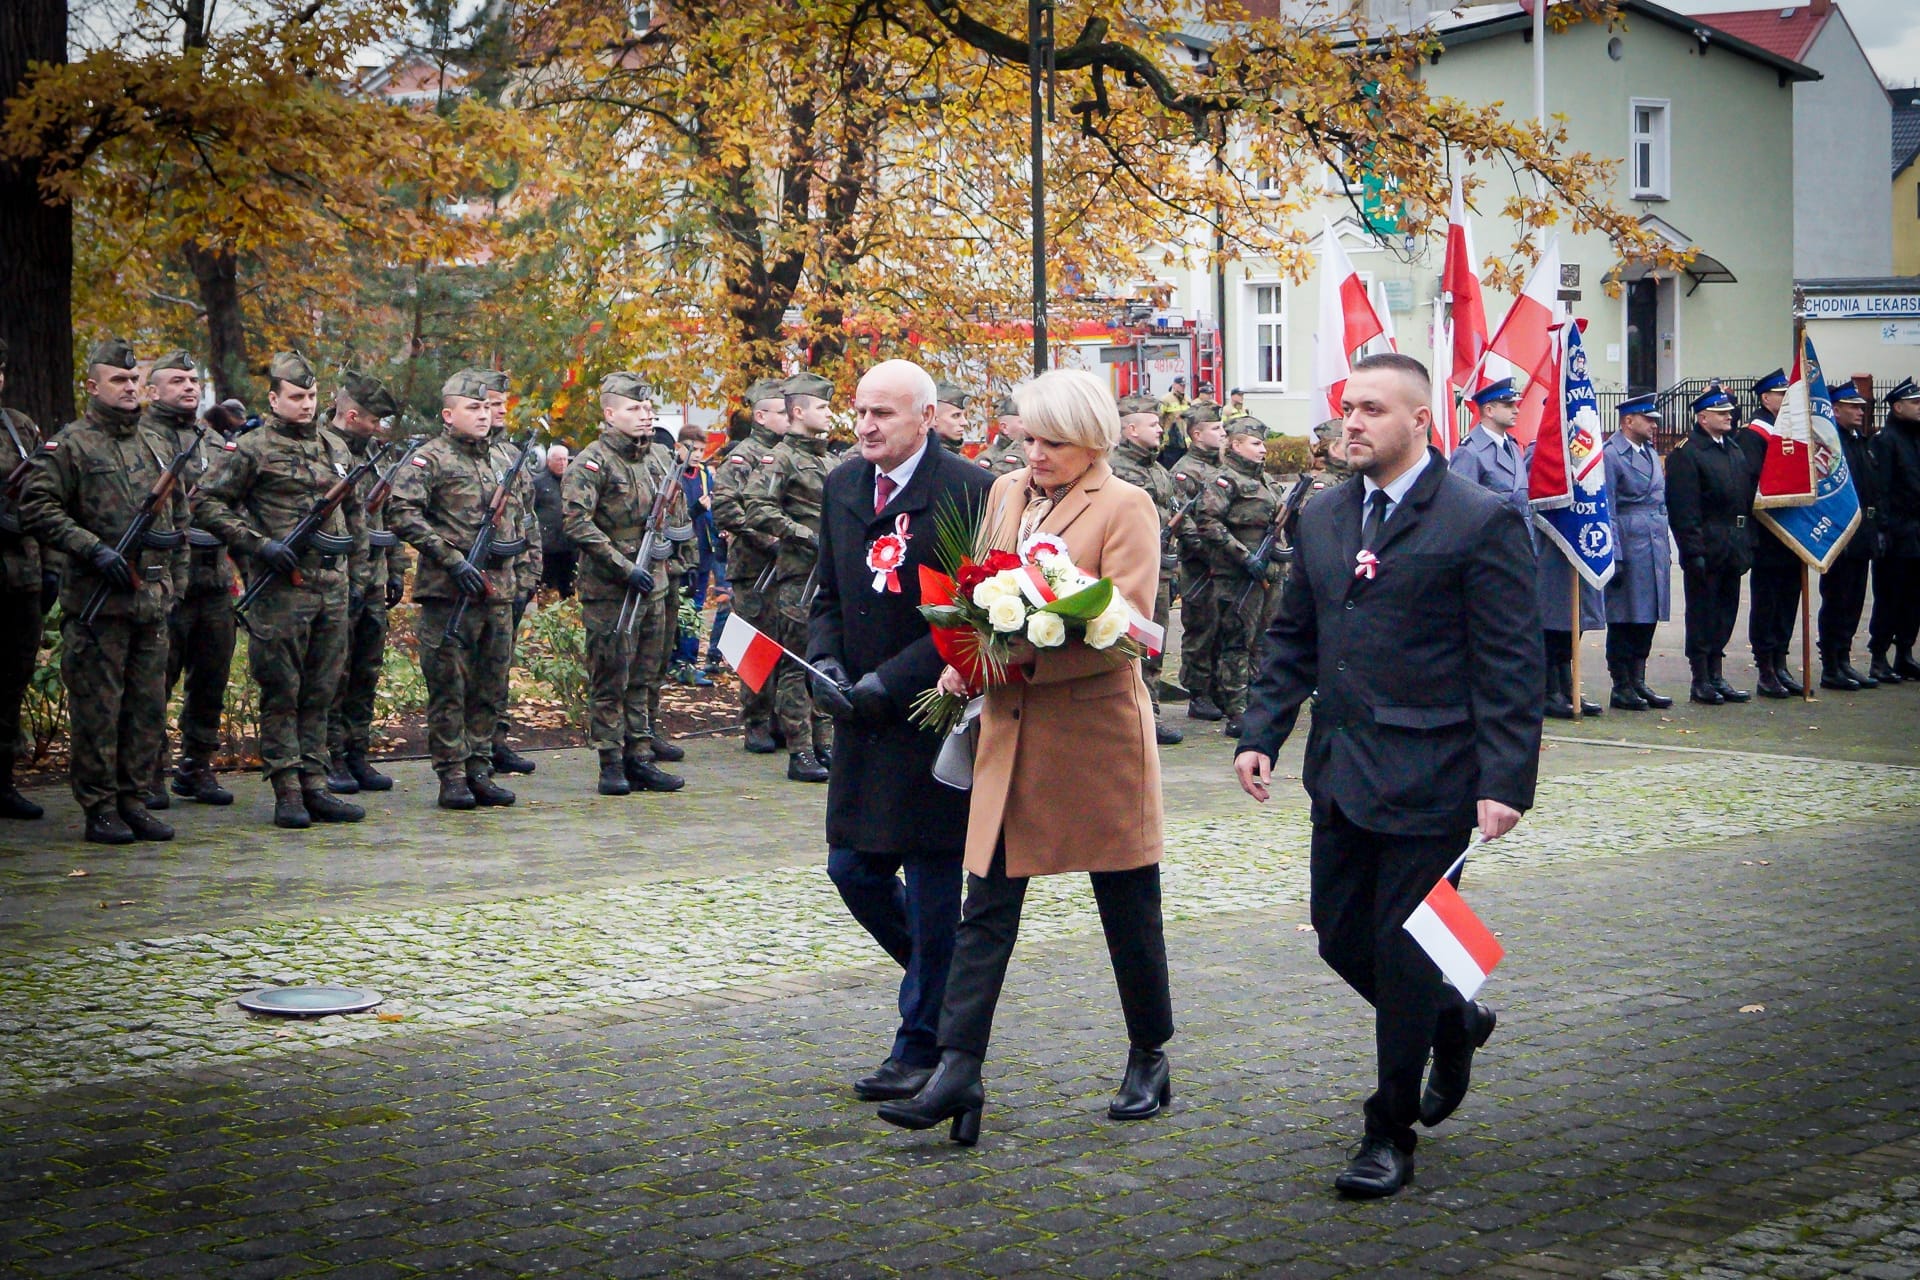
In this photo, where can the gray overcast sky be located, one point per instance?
(1889, 30)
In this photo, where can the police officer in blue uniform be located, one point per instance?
(1774, 587)
(1710, 487)
(1488, 456)
(1639, 596)
(1843, 587)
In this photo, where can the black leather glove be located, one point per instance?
(830, 694)
(872, 704)
(112, 566)
(277, 556)
(396, 591)
(49, 590)
(639, 579)
(469, 580)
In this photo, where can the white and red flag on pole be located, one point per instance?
(1787, 476)
(1347, 322)
(1525, 339)
(748, 651)
(1467, 319)
(1464, 949)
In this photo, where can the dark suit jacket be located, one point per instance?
(1427, 679)
(1709, 501)
(882, 797)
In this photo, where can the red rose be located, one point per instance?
(972, 575)
(1001, 561)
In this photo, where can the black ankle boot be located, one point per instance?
(487, 793)
(1833, 675)
(1720, 685)
(12, 803)
(1625, 696)
(1769, 685)
(1559, 697)
(1658, 701)
(196, 781)
(1879, 668)
(1146, 1089)
(953, 1093)
(1783, 672)
(454, 792)
(507, 760)
(340, 779)
(369, 778)
(613, 774)
(143, 824)
(323, 806)
(1903, 664)
(1702, 690)
(1847, 669)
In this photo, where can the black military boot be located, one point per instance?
(1769, 685)
(105, 826)
(760, 740)
(802, 766)
(1852, 673)
(369, 778)
(454, 793)
(1167, 735)
(663, 749)
(1716, 665)
(613, 775)
(1231, 726)
(1625, 696)
(1879, 668)
(289, 806)
(1559, 704)
(487, 793)
(1702, 690)
(195, 780)
(1588, 707)
(1903, 664)
(155, 796)
(1783, 672)
(1201, 707)
(143, 824)
(325, 807)
(1658, 701)
(12, 803)
(645, 775)
(340, 779)
(1833, 674)
(507, 760)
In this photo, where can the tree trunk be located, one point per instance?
(218, 276)
(36, 239)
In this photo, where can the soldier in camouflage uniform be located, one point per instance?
(28, 585)
(1136, 459)
(783, 505)
(1008, 452)
(527, 566)
(749, 554)
(79, 500)
(606, 496)
(1193, 474)
(950, 416)
(296, 630)
(360, 409)
(439, 503)
(1329, 455)
(1235, 514)
(200, 626)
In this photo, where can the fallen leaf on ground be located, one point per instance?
(1303, 928)
(391, 1017)
(78, 871)
(1753, 1008)
(283, 1034)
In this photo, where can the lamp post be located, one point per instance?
(1039, 67)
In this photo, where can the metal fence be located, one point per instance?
(1676, 413)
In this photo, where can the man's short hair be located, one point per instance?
(1404, 365)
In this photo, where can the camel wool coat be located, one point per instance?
(1067, 771)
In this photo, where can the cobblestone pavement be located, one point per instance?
(1873, 1233)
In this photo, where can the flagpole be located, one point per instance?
(1573, 572)
(1806, 574)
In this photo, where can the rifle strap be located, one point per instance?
(6, 416)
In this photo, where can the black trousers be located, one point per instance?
(1629, 641)
(1713, 602)
(1772, 608)
(1896, 602)
(1129, 904)
(1365, 884)
(558, 566)
(20, 623)
(1559, 645)
(200, 641)
(1843, 594)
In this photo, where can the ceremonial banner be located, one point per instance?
(1464, 949)
(1818, 531)
(1580, 524)
(1787, 470)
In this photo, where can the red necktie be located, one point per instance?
(883, 493)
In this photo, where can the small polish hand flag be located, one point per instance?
(1465, 950)
(749, 652)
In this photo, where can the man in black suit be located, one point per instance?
(1410, 616)
(885, 813)
(1710, 487)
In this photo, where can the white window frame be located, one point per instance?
(1659, 144)
(1335, 181)
(1252, 320)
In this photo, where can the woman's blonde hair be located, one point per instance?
(1070, 406)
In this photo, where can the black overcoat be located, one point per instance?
(882, 797)
(1709, 501)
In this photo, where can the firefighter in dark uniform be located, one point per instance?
(1710, 487)
(1843, 587)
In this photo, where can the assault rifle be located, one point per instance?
(480, 554)
(383, 487)
(655, 535)
(1263, 554)
(307, 532)
(136, 532)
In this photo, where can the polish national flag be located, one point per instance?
(749, 652)
(1464, 949)
(1550, 473)
(1147, 633)
(1460, 281)
(1525, 338)
(1347, 321)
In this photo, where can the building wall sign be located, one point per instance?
(1864, 306)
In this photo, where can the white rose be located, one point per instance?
(1006, 615)
(1046, 630)
(987, 592)
(1106, 629)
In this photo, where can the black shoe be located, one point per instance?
(1376, 1170)
(289, 806)
(1788, 681)
(1559, 703)
(1833, 676)
(369, 778)
(1702, 690)
(803, 767)
(894, 1079)
(507, 760)
(1200, 707)
(1880, 669)
(1146, 1089)
(1769, 685)
(1590, 708)
(670, 752)
(1625, 696)
(143, 824)
(454, 793)
(1166, 735)
(1728, 693)
(15, 805)
(105, 826)
(825, 756)
(340, 779)
(155, 797)
(760, 740)
(1452, 1069)
(1232, 726)
(1658, 701)
(322, 806)
(195, 780)
(953, 1092)
(1847, 670)
(487, 793)
(1904, 666)
(644, 775)
(613, 775)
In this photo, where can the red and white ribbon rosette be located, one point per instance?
(1366, 565)
(887, 554)
(1041, 544)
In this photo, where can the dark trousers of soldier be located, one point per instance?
(1843, 595)
(116, 678)
(20, 622)
(350, 723)
(1896, 602)
(1626, 641)
(463, 682)
(1772, 605)
(296, 643)
(623, 675)
(200, 638)
(1199, 620)
(805, 728)
(1150, 668)
(1237, 639)
(1713, 601)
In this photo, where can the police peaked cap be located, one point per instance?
(464, 385)
(1496, 393)
(1130, 405)
(175, 359)
(1714, 398)
(1775, 381)
(947, 393)
(767, 389)
(369, 393)
(630, 385)
(290, 367)
(1641, 406)
(115, 353)
(1906, 390)
(1845, 393)
(810, 384)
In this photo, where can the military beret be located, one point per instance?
(767, 389)
(1906, 390)
(1247, 425)
(290, 367)
(496, 380)
(810, 384)
(175, 359)
(1006, 408)
(1329, 431)
(1845, 393)
(466, 384)
(947, 393)
(1130, 405)
(116, 353)
(630, 385)
(1714, 400)
(369, 393)
(1203, 413)
(1775, 381)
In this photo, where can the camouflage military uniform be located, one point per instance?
(1141, 466)
(1199, 617)
(1235, 514)
(25, 592)
(526, 568)
(749, 554)
(783, 507)
(375, 583)
(296, 632)
(1003, 455)
(92, 479)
